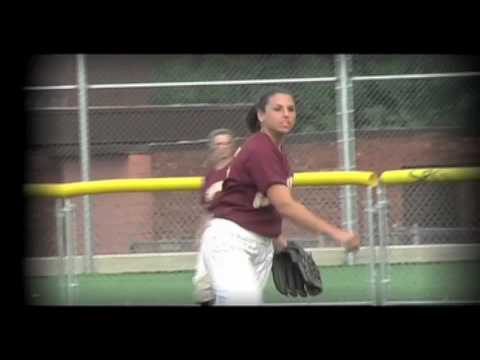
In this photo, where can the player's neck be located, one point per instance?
(277, 138)
(222, 163)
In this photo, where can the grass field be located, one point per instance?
(412, 282)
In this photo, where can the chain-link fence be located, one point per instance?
(434, 214)
(53, 151)
(428, 237)
(414, 111)
(149, 116)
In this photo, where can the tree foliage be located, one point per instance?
(399, 103)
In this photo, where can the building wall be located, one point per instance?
(120, 219)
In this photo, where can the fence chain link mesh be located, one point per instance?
(151, 131)
(140, 128)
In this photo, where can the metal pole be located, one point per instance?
(69, 250)
(74, 284)
(61, 270)
(346, 141)
(85, 162)
(370, 210)
(387, 242)
(382, 223)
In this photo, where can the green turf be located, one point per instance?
(419, 282)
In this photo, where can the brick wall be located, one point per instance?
(122, 218)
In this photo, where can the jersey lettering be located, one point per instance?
(261, 200)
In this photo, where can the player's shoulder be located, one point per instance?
(258, 140)
(213, 172)
(261, 149)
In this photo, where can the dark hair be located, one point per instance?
(253, 123)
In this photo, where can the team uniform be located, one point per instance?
(212, 184)
(237, 244)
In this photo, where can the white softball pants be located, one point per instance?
(238, 262)
(203, 288)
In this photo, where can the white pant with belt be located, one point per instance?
(238, 262)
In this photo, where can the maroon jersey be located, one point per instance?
(212, 185)
(257, 165)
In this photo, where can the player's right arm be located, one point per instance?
(281, 198)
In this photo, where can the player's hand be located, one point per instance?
(280, 242)
(349, 240)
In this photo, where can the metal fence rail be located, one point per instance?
(428, 222)
(138, 116)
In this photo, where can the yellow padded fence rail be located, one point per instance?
(327, 178)
(65, 190)
(409, 176)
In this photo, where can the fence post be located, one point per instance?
(346, 141)
(384, 278)
(371, 212)
(71, 252)
(85, 162)
(61, 269)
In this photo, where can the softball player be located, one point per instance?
(221, 144)
(237, 244)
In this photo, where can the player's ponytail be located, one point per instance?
(253, 123)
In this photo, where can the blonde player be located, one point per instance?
(222, 147)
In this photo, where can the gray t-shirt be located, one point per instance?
(257, 165)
